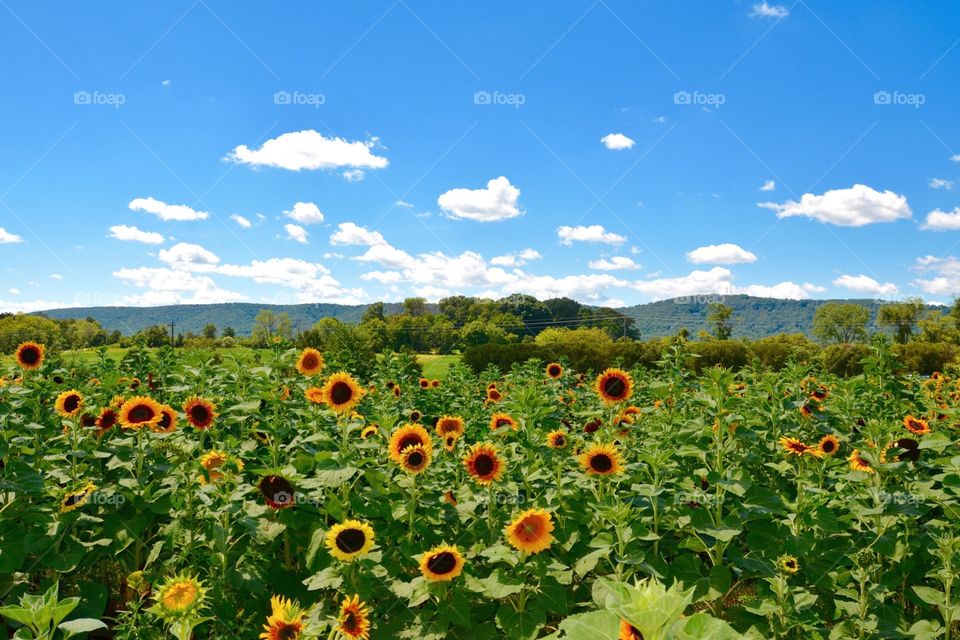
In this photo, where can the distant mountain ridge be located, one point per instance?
(752, 317)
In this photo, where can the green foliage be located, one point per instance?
(43, 617)
(730, 354)
(840, 322)
(901, 317)
(270, 325)
(719, 318)
(926, 357)
(844, 359)
(773, 352)
(18, 328)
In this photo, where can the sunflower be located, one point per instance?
(450, 443)
(450, 425)
(557, 439)
(314, 395)
(354, 620)
(277, 492)
(369, 431)
(450, 499)
(828, 445)
(76, 499)
(285, 621)
(69, 403)
(629, 632)
(498, 420)
(350, 540)
(441, 564)
(424, 383)
(554, 370)
(396, 391)
(797, 448)
(29, 355)
(614, 385)
(211, 461)
(107, 420)
(601, 460)
(788, 564)
(860, 464)
(628, 415)
(592, 426)
(341, 392)
(494, 395)
(530, 531)
(407, 436)
(415, 459)
(140, 411)
(416, 416)
(910, 449)
(434, 383)
(806, 411)
(284, 393)
(916, 426)
(310, 362)
(200, 413)
(483, 463)
(180, 595)
(168, 420)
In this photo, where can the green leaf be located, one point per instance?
(80, 625)
(17, 614)
(931, 596)
(523, 625)
(494, 586)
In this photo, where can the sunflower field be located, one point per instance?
(192, 495)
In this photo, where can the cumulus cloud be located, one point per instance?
(296, 232)
(184, 256)
(945, 274)
(133, 234)
(353, 175)
(764, 10)
(352, 234)
(164, 211)
(593, 233)
(719, 280)
(240, 220)
(854, 207)
(308, 149)
(516, 259)
(938, 220)
(498, 201)
(29, 306)
(9, 238)
(305, 213)
(769, 185)
(617, 141)
(785, 290)
(613, 264)
(941, 183)
(865, 284)
(173, 286)
(726, 253)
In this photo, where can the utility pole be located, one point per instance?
(173, 342)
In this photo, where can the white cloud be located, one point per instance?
(764, 10)
(498, 201)
(171, 286)
(946, 280)
(9, 238)
(296, 232)
(352, 234)
(593, 233)
(617, 141)
(941, 183)
(310, 150)
(305, 213)
(184, 256)
(955, 157)
(716, 280)
(938, 220)
(432, 294)
(386, 255)
(613, 264)
(854, 207)
(14, 292)
(56, 276)
(123, 232)
(865, 284)
(726, 253)
(164, 211)
(353, 175)
(29, 306)
(787, 290)
(769, 185)
(165, 83)
(516, 259)
(240, 220)
(402, 203)
(384, 277)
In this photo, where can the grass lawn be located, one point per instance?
(436, 366)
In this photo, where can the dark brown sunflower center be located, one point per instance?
(165, 420)
(415, 416)
(350, 622)
(484, 464)
(73, 499)
(906, 443)
(409, 441)
(276, 490)
(288, 631)
(614, 387)
(442, 563)
(141, 413)
(828, 446)
(341, 393)
(415, 458)
(351, 540)
(199, 413)
(108, 419)
(30, 355)
(87, 420)
(559, 441)
(71, 403)
(310, 361)
(601, 462)
(554, 371)
(503, 422)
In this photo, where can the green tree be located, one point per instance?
(19, 327)
(415, 307)
(269, 325)
(937, 327)
(841, 322)
(901, 317)
(719, 318)
(210, 330)
(229, 332)
(372, 313)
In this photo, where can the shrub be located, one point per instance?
(502, 356)
(732, 354)
(926, 357)
(773, 352)
(844, 359)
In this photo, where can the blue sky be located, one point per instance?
(613, 152)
